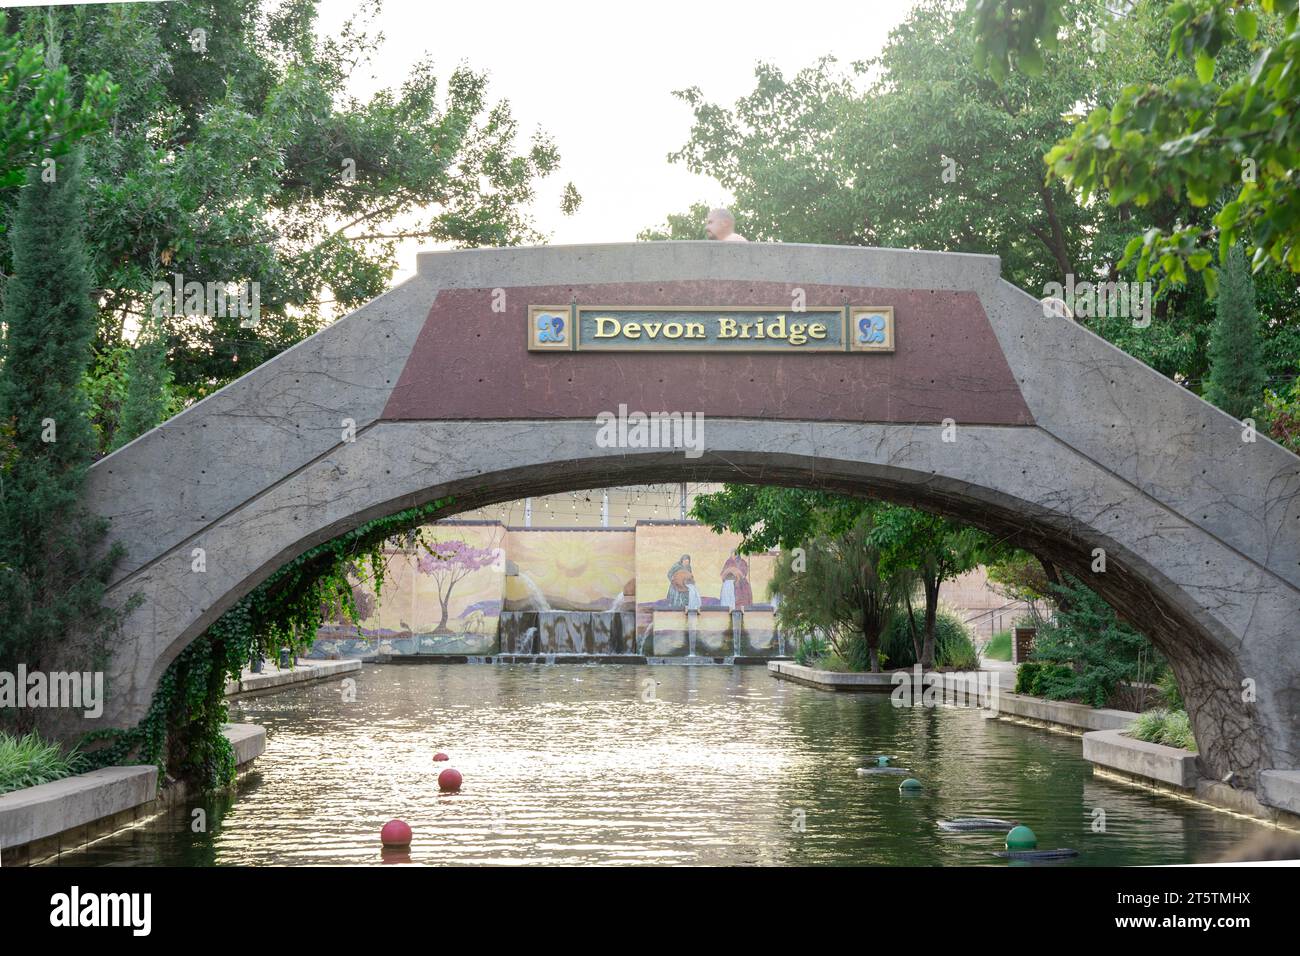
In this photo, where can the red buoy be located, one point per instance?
(395, 833)
(450, 779)
(439, 757)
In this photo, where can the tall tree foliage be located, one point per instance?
(41, 114)
(834, 585)
(237, 154)
(1236, 381)
(767, 516)
(51, 582)
(919, 147)
(914, 147)
(1221, 143)
(148, 397)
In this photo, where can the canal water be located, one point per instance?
(626, 764)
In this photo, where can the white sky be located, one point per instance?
(598, 77)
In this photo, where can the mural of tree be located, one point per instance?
(363, 602)
(448, 563)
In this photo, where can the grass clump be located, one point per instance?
(30, 761)
(1162, 725)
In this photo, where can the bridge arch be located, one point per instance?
(1063, 443)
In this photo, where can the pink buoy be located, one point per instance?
(395, 833)
(450, 779)
(439, 757)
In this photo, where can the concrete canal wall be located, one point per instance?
(38, 824)
(273, 678)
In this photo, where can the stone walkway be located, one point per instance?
(272, 676)
(1005, 670)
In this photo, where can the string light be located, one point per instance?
(640, 503)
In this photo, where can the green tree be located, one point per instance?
(767, 516)
(915, 549)
(927, 550)
(148, 397)
(51, 582)
(237, 155)
(41, 118)
(1236, 382)
(833, 585)
(1282, 416)
(1021, 576)
(849, 157)
(920, 148)
(1098, 650)
(1206, 137)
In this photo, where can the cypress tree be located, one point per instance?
(148, 385)
(52, 566)
(1236, 380)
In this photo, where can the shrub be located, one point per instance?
(30, 761)
(1025, 675)
(834, 662)
(1164, 726)
(999, 647)
(1098, 651)
(852, 654)
(953, 646)
(812, 648)
(1045, 679)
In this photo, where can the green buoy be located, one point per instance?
(911, 783)
(882, 761)
(1021, 838)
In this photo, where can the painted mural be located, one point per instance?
(683, 566)
(441, 598)
(570, 570)
(478, 589)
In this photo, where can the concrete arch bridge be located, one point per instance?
(468, 381)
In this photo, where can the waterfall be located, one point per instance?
(534, 593)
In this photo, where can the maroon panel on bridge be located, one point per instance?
(472, 363)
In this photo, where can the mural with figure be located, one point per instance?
(478, 588)
(682, 566)
(682, 591)
(737, 591)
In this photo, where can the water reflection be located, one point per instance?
(616, 764)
